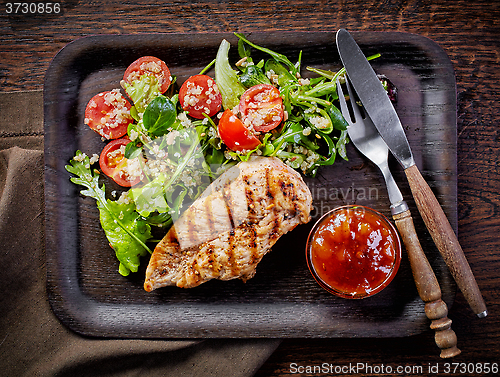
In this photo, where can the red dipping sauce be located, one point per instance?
(353, 251)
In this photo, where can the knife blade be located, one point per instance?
(379, 108)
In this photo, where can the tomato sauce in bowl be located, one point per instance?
(353, 251)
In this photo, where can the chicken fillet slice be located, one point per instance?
(226, 232)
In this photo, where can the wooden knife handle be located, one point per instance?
(445, 239)
(427, 287)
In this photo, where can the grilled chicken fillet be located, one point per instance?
(225, 233)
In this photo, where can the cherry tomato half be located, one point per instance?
(200, 95)
(108, 114)
(113, 163)
(234, 133)
(261, 107)
(149, 65)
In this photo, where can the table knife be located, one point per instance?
(377, 104)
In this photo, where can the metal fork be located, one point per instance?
(367, 140)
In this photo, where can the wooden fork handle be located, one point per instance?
(427, 287)
(445, 239)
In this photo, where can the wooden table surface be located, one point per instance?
(469, 32)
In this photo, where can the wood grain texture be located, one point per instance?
(470, 35)
(445, 240)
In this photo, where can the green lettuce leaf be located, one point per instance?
(142, 92)
(227, 78)
(119, 233)
(150, 197)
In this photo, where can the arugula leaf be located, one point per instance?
(322, 89)
(124, 228)
(294, 159)
(341, 144)
(253, 75)
(277, 56)
(244, 49)
(284, 76)
(327, 159)
(293, 133)
(319, 119)
(332, 152)
(338, 120)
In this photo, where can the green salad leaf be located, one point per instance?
(227, 78)
(150, 198)
(159, 116)
(123, 234)
(252, 75)
(278, 57)
(284, 76)
(141, 92)
(126, 231)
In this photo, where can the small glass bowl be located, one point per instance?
(353, 252)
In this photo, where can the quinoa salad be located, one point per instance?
(165, 142)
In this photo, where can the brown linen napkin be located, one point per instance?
(32, 340)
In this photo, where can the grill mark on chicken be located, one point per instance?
(248, 229)
(254, 256)
(210, 216)
(269, 193)
(277, 200)
(248, 225)
(191, 229)
(250, 201)
(213, 263)
(228, 200)
(231, 258)
(295, 207)
(273, 197)
(253, 247)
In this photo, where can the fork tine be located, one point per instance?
(343, 104)
(354, 105)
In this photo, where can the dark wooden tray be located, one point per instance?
(88, 294)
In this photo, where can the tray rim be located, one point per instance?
(83, 318)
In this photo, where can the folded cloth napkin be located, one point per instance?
(32, 340)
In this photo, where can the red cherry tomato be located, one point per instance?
(198, 95)
(261, 107)
(113, 163)
(149, 65)
(234, 134)
(108, 114)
